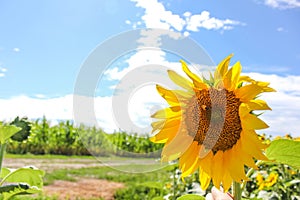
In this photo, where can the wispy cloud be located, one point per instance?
(282, 4)
(204, 20)
(157, 16)
(2, 71)
(281, 29)
(16, 49)
(283, 70)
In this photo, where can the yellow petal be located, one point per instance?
(245, 79)
(222, 67)
(198, 83)
(159, 125)
(179, 80)
(251, 122)
(217, 169)
(250, 147)
(227, 181)
(170, 112)
(206, 162)
(249, 92)
(232, 76)
(251, 135)
(204, 179)
(168, 95)
(235, 165)
(244, 110)
(258, 105)
(173, 97)
(259, 83)
(236, 72)
(176, 147)
(245, 157)
(189, 161)
(227, 79)
(165, 134)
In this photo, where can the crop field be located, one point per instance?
(72, 173)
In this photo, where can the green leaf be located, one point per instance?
(285, 152)
(293, 182)
(29, 175)
(25, 126)
(191, 197)
(6, 131)
(4, 172)
(156, 185)
(158, 198)
(14, 189)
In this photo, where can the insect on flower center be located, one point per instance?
(212, 118)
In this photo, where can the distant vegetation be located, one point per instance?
(66, 139)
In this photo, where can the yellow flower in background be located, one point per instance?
(271, 180)
(288, 136)
(268, 182)
(297, 139)
(278, 137)
(260, 181)
(210, 124)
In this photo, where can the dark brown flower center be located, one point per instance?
(212, 118)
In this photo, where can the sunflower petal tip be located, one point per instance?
(182, 62)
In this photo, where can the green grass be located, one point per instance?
(109, 174)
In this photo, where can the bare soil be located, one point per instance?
(83, 189)
(53, 164)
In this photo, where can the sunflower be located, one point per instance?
(210, 125)
(268, 182)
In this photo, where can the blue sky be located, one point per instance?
(44, 43)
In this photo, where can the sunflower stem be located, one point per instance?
(237, 191)
(2, 151)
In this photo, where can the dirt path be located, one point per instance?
(83, 189)
(52, 164)
(70, 163)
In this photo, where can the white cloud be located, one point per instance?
(281, 29)
(40, 96)
(145, 56)
(16, 49)
(156, 16)
(128, 22)
(203, 20)
(55, 108)
(61, 108)
(2, 71)
(284, 117)
(282, 4)
(141, 58)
